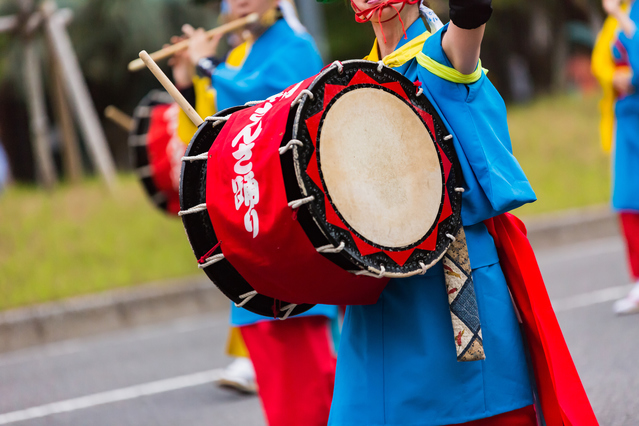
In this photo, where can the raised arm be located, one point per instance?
(462, 41)
(613, 8)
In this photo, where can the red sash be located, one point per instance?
(563, 399)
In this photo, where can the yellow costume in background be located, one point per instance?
(603, 68)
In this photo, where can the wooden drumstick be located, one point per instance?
(170, 87)
(118, 117)
(137, 64)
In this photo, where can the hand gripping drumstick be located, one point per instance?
(137, 64)
(170, 87)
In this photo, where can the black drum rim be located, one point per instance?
(351, 258)
(202, 237)
(137, 143)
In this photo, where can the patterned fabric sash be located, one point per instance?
(459, 281)
(463, 301)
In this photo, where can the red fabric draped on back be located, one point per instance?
(563, 399)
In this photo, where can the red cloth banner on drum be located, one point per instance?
(247, 203)
(312, 197)
(157, 150)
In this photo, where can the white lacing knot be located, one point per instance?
(299, 203)
(201, 157)
(301, 95)
(289, 310)
(211, 261)
(246, 297)
(449, 137)
(460, 189)
(380, 66)
(330, 248)
(451, 237)
(196, 209)
(289, 145)
(420, 91)
(371, 274)
(144, 172)
(252, 103)
(424, 268)
(217, 120)
(339, 66)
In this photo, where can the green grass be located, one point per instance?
(556, 140)
(80, 240)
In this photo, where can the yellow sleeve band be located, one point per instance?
(449, 73)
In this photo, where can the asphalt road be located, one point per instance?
(163, 375)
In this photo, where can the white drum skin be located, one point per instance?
(381, 168)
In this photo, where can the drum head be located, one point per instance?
(139, 143)
(201, 234)
(382, 169)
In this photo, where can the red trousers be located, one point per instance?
(630, 226)
(294, 368)
(523, 417)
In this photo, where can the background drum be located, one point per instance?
(323, 192)
(156, 149)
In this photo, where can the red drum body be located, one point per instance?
(157, 150)
(323, 192)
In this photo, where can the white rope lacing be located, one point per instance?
(339, 66)
(299, 97)
(289, 146)
(138, 140)
(246, 297)
(252, 103)
(330, 248)
(299, 203)
(373, 274)
(289, 310)
(447, 138)
(144, 172)
(192, 210)
(420, 92)
(201, 157)
(451, 237)
(211, 261)
(217, 120)
(460, 189)
(159, 197)
(424, 268)
(380, 66)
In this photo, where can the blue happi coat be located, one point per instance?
(397, 359)
(625, 194)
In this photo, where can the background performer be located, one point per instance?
(293, 359)
(623, 77)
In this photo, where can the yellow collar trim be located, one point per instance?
(401, 55)
(413, 50)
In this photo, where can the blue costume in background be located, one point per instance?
(397, 362)
(625, 195)
(278, 59)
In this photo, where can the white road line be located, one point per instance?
(589, 299)
(118, 337)
(593, 248)
(123, 394)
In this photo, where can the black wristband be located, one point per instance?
(206, 66)
(470, 14)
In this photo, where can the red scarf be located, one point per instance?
(365, 15)
(563, 399)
